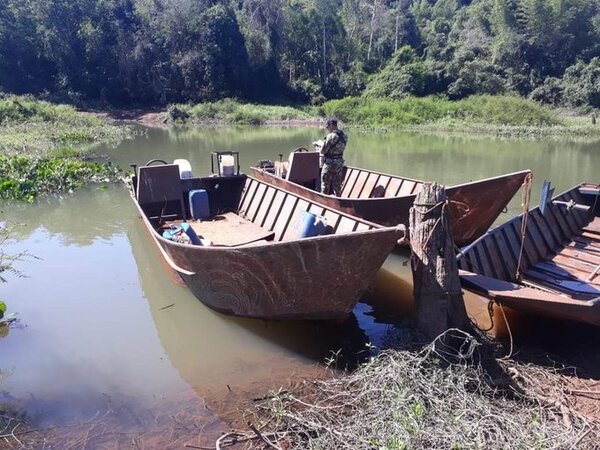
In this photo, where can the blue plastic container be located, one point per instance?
(168, 234)
(199, 207)
(312, 225)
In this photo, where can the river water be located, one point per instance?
(104, 329)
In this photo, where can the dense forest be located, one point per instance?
(154, 52)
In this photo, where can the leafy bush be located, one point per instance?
(404, 75)
(551, 91)
(582, 83)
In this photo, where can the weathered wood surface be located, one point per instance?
(386, 199)
(560, 257)
(437, 289)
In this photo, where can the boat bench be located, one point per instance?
(229, 230)
(573, 270)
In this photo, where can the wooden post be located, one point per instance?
(437, 290)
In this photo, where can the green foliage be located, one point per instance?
(404, 75)
(234, 112)
(2, 309)
(175, 51)
(24, 178)
(551, 91)
(483, 109)
(33, 127)
(582, 83)
(15, 110)
(42, 145)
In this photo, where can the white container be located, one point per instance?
(227, 165)
(185, 168)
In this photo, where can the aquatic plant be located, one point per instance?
(24, 178)
(33, 127)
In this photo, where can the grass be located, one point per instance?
(34, 128)
(233, 112)
(488, 110)
(504, 116)
(43, 148)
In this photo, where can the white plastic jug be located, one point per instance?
(185, 168)
(227, 165)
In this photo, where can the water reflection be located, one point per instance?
(212, 350)
(447, 158)
(102, 318)
(77, 219)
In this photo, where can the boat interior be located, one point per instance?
(560, 252)
(236, 209)
(303, 168)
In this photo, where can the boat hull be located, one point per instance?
(473, 207)
(318, 278)
(546, 263)
(289, 278)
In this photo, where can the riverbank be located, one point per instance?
(489, 115)
(45, 148)
(408, 396)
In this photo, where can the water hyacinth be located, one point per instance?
(24, 178)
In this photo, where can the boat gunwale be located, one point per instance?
(518, 217)
(384, 199)
(376, 228)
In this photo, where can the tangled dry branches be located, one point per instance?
(432, 398)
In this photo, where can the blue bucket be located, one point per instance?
(312, 225)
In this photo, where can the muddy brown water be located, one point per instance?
(104, 330)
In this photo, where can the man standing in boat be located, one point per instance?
(332, 153)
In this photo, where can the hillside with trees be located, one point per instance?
(155, 52)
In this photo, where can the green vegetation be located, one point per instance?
(165, 51)
(485, 109)
(42, 146)
(24, 178)
(37, 128)
(481, 112)
(234, 112)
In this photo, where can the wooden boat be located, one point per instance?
(386, 199)
(560, 264)
(256, 264)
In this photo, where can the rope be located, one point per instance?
(428, 204)
(525, 204)
(509, 333)
(490, 308)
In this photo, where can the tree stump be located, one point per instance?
(437, 290)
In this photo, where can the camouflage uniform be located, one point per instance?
(333, 163)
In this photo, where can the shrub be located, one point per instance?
(582, 83)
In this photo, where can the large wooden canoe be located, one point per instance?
(257, 265)
(386, 199)
(560, 263)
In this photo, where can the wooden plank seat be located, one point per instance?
(593, 226)
(587, 244)
(576, 289)
(500, 289)
(229, 230)
(573, 286)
